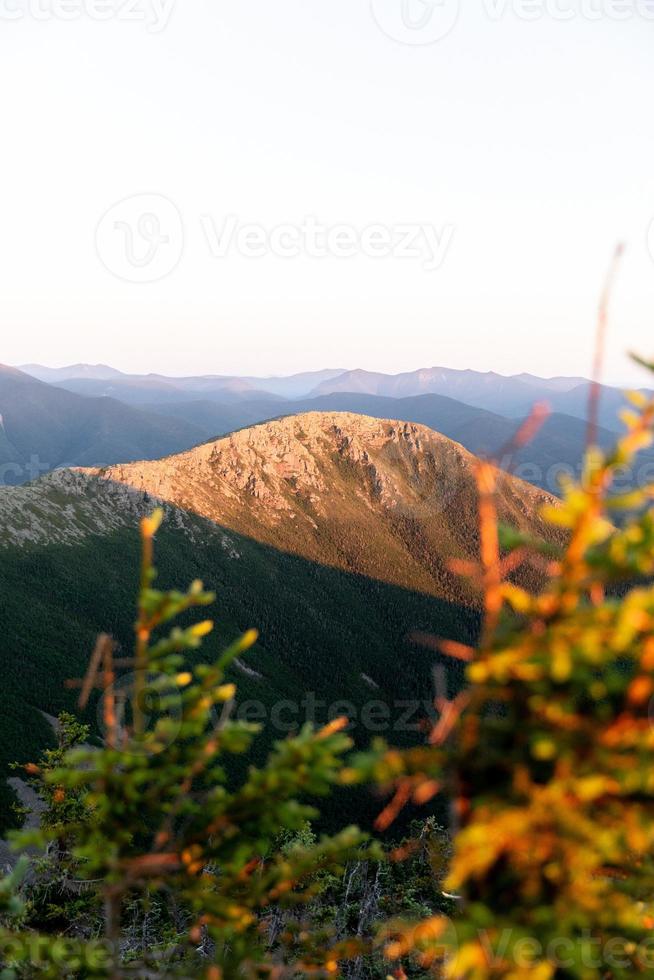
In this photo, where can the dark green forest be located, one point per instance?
(320, 629)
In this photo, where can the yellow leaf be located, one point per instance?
(544, 749)
(477, 673)
(203, 628)
(518, 598)
(637, 398)
(248, 639)
(150, 525)
(337, 725)
(630, 419)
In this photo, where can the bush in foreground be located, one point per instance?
(547, 755)
(162, 867)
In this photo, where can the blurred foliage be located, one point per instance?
(547, 756)
(146, 827)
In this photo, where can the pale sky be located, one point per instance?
(525, 147)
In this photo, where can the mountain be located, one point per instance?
(131, 391)
(487, 430)
(575, 402)
(43, 427)
(483, 390)
(52, 375)
(292, 386)
(99, 380)
(330, 533)
(151, 417)
(217, 418)
(296, 385)
(557, 448)
(512, 397)
(385, 498)
(553, 384)
(141, 391)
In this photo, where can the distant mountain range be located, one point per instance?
(101, 372)
(98, 380)
(329, 532)
(512, 396)
(102, 416)
(43, 427)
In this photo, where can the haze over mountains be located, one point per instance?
(96, 415)
(101, 380)
(511, 396)
(43, 427)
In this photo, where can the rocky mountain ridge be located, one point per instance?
(382, 497)
(389, 499)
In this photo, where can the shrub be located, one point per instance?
(547, 756)
(177, 866)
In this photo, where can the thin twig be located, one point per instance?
(600, 346)
(90, 678)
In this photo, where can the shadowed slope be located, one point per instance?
(327, 636)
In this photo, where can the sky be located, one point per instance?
(204, 186)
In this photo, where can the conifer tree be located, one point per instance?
(152, 819)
